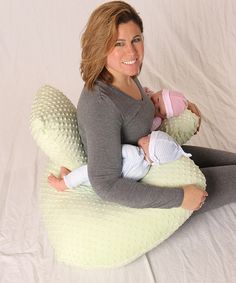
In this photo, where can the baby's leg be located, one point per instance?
(58, 182)
(64, 171)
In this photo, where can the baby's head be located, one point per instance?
(160, 148)
(144, 142)
(169, 103)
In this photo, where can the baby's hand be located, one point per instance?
(57, 183)
(194, 109)
(148, 91)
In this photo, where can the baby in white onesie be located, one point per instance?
(155, 149)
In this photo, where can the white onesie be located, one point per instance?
(162, 149)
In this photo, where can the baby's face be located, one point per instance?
(160, 110)
(144, 144)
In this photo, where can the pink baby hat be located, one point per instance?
(175, 102)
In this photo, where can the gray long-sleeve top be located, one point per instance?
(108, 118)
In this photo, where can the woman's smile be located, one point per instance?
(125, 58)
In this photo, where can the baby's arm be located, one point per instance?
(156, 123)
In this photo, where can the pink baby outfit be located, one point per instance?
(175, 104)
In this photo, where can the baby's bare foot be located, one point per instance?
(64, 171)
(57, 183)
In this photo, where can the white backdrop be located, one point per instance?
(189, 46)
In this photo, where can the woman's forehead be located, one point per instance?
(125, 30)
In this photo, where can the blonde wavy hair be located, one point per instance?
(99, 38)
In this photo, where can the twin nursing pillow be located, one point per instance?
(83, 229)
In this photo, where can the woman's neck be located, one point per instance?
(123, 82)
(128, 87)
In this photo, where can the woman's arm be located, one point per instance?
(102, 125)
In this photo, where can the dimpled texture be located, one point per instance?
(83, 229)
(54, 126)
(181, 128)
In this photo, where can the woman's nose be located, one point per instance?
(130, 49)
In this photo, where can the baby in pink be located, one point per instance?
(167, 104)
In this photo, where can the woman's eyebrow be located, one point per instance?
(120, 39)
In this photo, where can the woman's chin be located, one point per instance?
(132, 70)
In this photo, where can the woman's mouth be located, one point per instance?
(130, 62)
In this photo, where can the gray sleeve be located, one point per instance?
(102, 124)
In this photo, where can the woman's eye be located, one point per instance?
(137, 39)
(119, 43)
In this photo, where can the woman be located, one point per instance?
(113, 110)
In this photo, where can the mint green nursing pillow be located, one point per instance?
(54, 127)
(83, 229)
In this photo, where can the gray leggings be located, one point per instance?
(219, 168)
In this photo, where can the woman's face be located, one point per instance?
(126, 57)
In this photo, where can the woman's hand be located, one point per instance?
(194, 197)
(193, 108)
